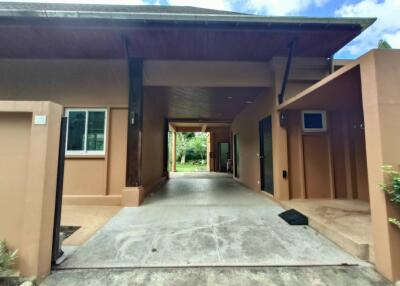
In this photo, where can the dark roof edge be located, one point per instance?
(364, 23)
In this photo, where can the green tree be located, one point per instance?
(199, 144)
(183, 145)
(384, 45)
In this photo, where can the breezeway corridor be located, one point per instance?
(210, 230)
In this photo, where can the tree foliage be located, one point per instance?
(392, 189)
(182, 145)
(7, 257)
(198, 144)
(190, 144)
(384, 45)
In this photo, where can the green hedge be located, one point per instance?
(392, 189)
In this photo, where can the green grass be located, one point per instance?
(190, 167)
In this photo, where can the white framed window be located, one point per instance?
(314, 120)
(86, 131)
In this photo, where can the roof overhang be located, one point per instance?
(339, 91)
(98, 34)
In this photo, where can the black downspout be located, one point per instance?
(281, 96)
(56, 249)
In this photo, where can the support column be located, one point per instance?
(280, 162)
(166, 149)
(133, 192)
(381, 105)
(208, 151)
(173, 157)
(279, 143)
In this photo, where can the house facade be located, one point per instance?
(126, 76)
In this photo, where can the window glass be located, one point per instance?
(313, 120)
(95, 132)
(86, 131)
(76, 130)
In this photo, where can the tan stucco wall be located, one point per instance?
(72, 83)
(15, 131)
(117, 151)
(380, 77)
(246, 126)
(207, 73)
(28, 181)
(84, 84)
(304, 73)
(329, 164)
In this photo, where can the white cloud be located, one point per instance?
(116, 2)
(267, 7)
(210, 4)
(387, 26)
(393, 39)
(283, 7)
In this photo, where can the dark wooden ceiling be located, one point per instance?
(203, 103)
(88, 39)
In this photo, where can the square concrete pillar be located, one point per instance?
(132, 196)
(30, 133)
(173, 156)
(380, 76)
(281, 163)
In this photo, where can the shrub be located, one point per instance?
(392, 189)
(7, 258)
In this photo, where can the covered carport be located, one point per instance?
(149, 52)
(145, 68)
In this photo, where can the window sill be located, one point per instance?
(85, 156)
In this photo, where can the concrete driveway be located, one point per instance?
(214, 229)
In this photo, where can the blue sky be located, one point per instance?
(387, 26)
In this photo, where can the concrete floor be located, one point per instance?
(191, 227)
(249, 276)
(89, 218)
(336, 219)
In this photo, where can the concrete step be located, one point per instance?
(337, 220)
(358, 249)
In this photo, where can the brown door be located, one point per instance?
(266, 160)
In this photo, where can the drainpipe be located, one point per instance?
(281, 96)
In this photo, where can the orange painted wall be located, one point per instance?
(117, 151)
(330, 164)
(13, 168)
(85, 84)
(246, 126)
(380, 76)
(28, 168)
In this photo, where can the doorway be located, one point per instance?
(188, 151)
(266, 160)
(223, 156)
